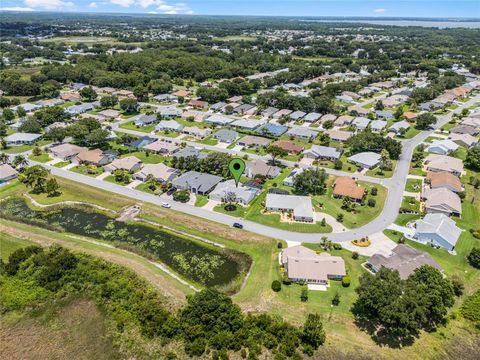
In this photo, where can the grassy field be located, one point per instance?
(73, 40)
(9, 244)
(376, 172)
(22, 148)
(43, 158)
(131, 126)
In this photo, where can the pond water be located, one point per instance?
(203, 264)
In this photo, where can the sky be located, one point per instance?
(364, 8)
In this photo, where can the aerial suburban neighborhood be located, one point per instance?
(351, 230)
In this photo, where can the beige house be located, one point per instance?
(444, 179)
(442, 201)
(303, 264)
(92, 157)
(66, 152)
(162, 147)
(129, 163)
(160, 172)
(196, 131)
(7, 173)
(436, 163)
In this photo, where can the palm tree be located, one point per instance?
(20, 161)
(4, 158)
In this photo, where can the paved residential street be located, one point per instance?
(395, 185)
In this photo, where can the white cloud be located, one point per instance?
(379, 11)
(123, 3)
(93, 5)
(176, 8)
(17, 8)
(152, 12)
(49, 4)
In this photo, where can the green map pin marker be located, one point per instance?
(236, 167)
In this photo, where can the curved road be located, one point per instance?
(395, 185)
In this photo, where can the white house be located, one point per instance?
(437, 230)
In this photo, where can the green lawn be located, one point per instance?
(255, 213)
(240, 211)
(409, 203)
(411, 132)
(376, 172)
(111, 179)
(22, 148)
(362, 214)
(166, 133)
(201, 200)
(404, 219)
(131, 126)
(9, 244)
(460, 153)
(148, 158)
(83, 169)
(209, 140)
(418, 171)
(144, 187)
(61, 164)
(346, 166)
(43, 158)
(393, 234)
(413, 185)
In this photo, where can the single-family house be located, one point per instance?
(442, 200)
(162, 147)
(302, 133)
(129, 163)
(384, 114)
(219, 120)
(437, 230)
(261, 168)
(196, 131)
(444, 179)
(190, 152)
(305, 265)
(141, 142)
(144, 120)
(268, 112)
(300, 206)
(226, 136)
(66, 152)
(7, 173)
(323, 153)
(403, 259)
(290, 147)
(397, 127)
(360, 123)
(442, 147)
(297, 115)
(328, 117)
(169, 125)
(312, 117)
(343, 120)
(246, 124)
(365, 160)
(180, 93)
(165, 97)
(253, 141)
(435, 163)
(394, 100)
(218, 106)
(109, 113)
(289, 180)
(378, 125)
(50, 102)
(198, 104)
(243, 194)
(160, 172)
(409, 115)
(282, 113)
(358, 110)
(465, 140)
(21, 139)
(465, 129)
(339, 135)
(196, 115)
(196, 182)
(345, 186)
(92, 157)
(270, 129)
(70, 97)
(243, 109)
(79, 109)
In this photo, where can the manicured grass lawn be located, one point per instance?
(170, 134)
(61, 164)
(362, 214)
(209, 140)
(23, 148)
(411, 132)
(148, 158)
(201, 200)
(460, 153)
(43, 158)
(111, 179)
(418, 171)
(404, 219)
(9, 244)
(431, 138)
(240, 211)
(346, 166)
(254, 213)
(413, 185)
(376, 172)
(393, 234)
(83, 169)
(411, 204)
(144, 187)
(132, 126)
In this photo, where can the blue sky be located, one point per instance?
(390, 8)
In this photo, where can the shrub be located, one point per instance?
(346, 281)
(336, 299)
(474, 258)
(457, 285)
(182, 196)
(276, 285)
(338, 165)
(304, 294)
(355, 255)
(337, 246)
(471, 308)
(279, 245)
(286, 280)
(340, 217)
(374, 191)
(372, 202)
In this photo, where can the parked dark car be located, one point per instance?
(171, 190)
(238, 225)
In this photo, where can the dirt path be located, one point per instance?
(174, 296)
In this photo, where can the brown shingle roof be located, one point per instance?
(346, 186)
(288, 146)
(444, 179)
